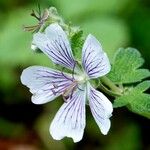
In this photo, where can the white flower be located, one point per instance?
(46, 84)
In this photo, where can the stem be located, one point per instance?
(111, 93)
(111, 85)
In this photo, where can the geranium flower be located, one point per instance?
(46, 84)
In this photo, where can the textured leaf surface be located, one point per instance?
(126, 67)
(76, 44)
(136, 100)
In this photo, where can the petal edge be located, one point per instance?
(70, 118)
(94, 60)
(55, 44)
(101, 109)
(44, 83)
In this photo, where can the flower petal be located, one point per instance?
(55, 45)
(45, 84)
(101, 109)
(70, 119)
(94, 60)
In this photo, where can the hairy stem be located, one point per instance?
(111, 93)
(114, 89)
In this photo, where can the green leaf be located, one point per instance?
(76, 44)
(136, 100)
(125, 67)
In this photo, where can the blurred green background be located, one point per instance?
(23, 125)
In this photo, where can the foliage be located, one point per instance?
(126, 71)
(76, 44)
(136, 100)
(125, 67)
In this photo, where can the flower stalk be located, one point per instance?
(114, 90)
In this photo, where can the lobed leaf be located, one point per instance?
(125, 67)
(137, 101)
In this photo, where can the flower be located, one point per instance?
(46, 84)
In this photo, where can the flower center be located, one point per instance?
(81, 78)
